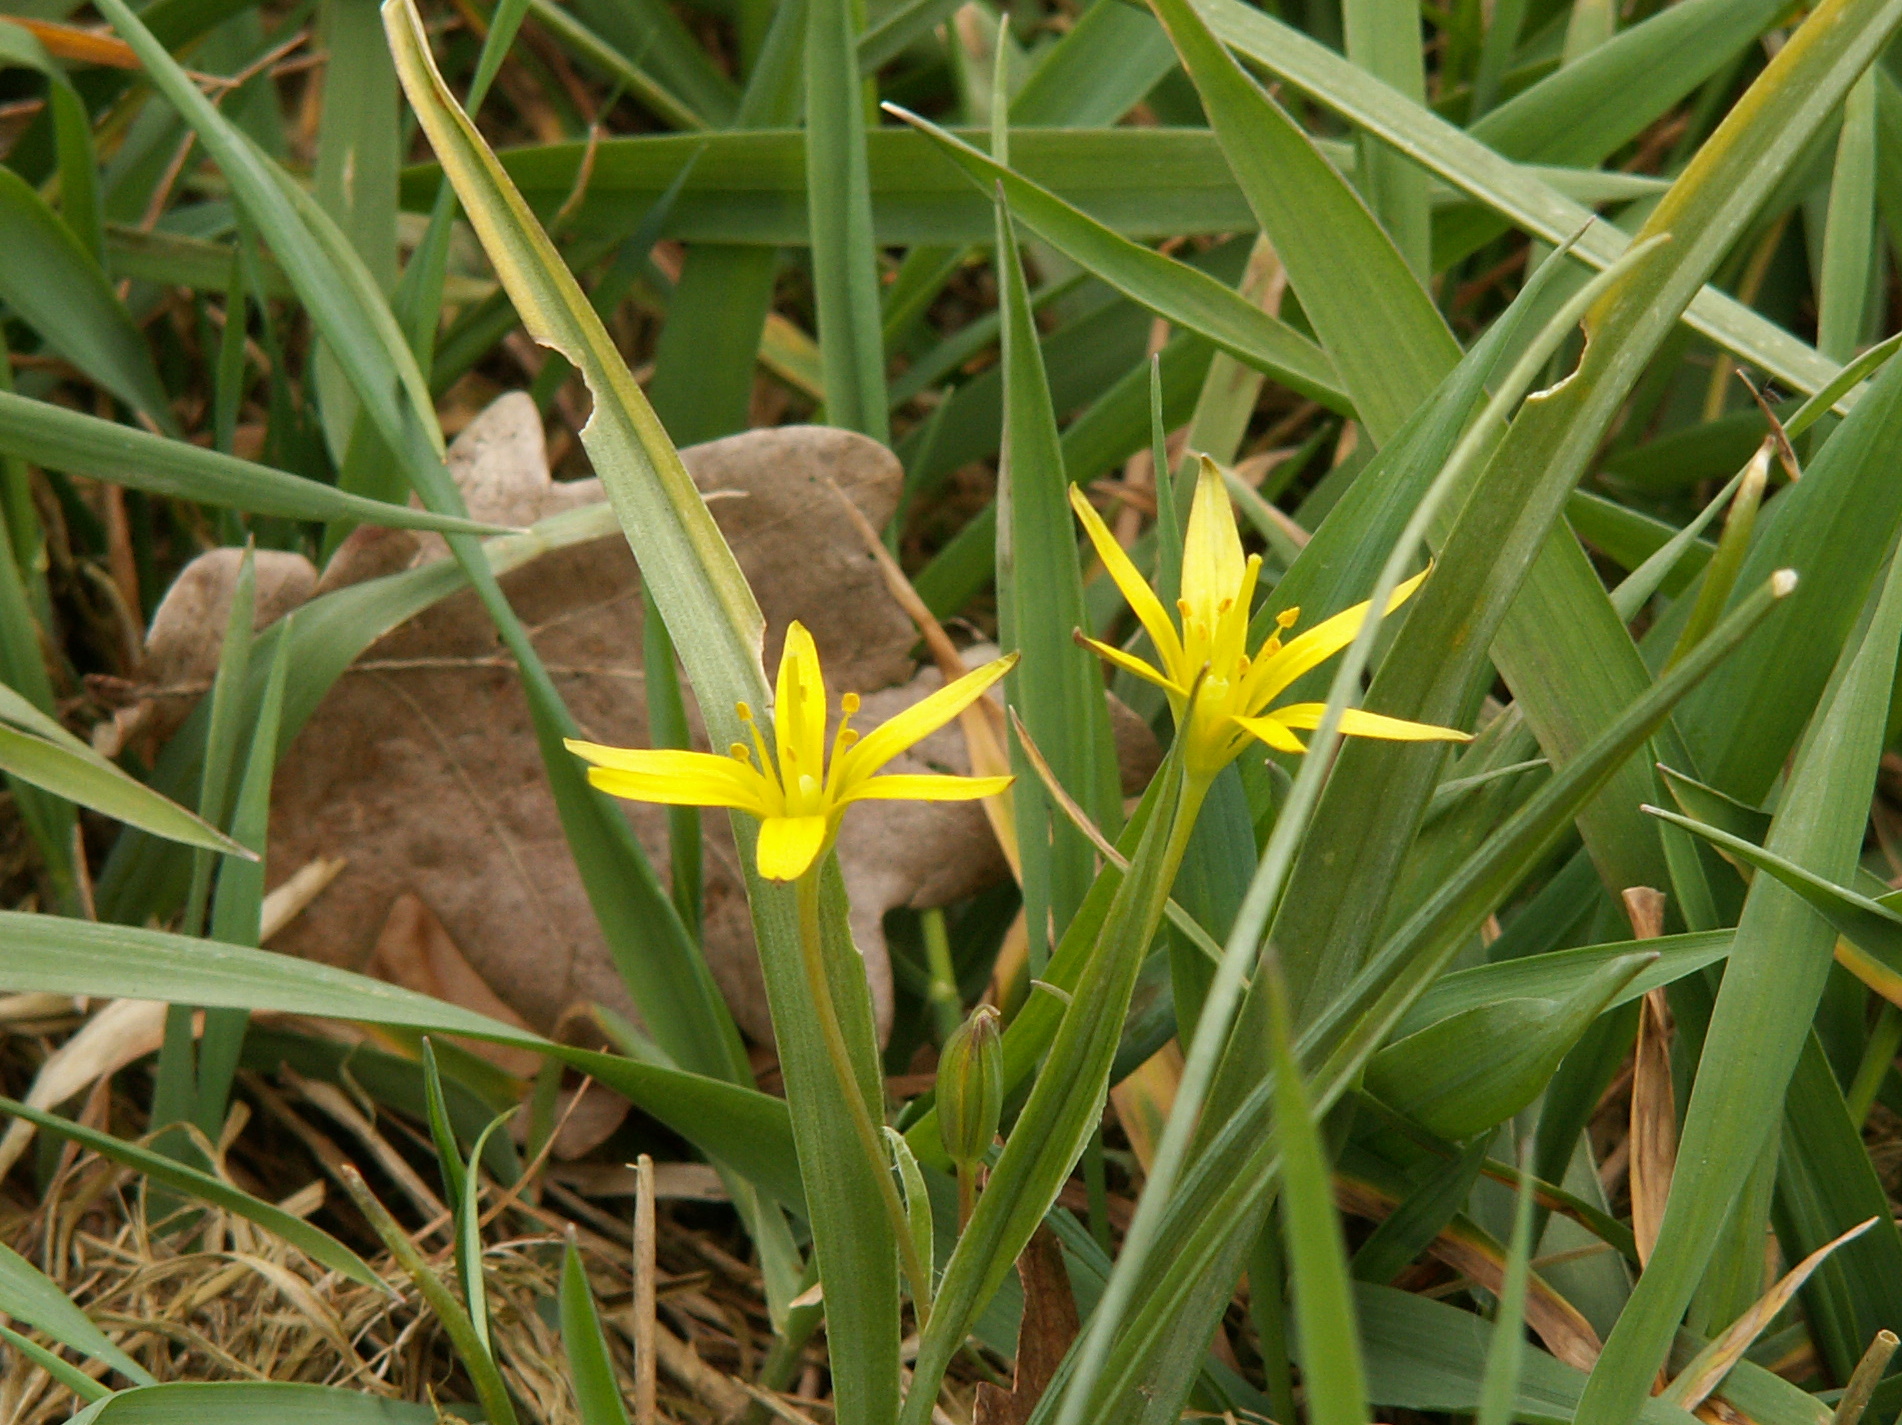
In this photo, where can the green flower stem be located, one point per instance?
(1066, 1096)
(813, 954)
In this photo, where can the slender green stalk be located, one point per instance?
(489, 1387)
(946, 1006)
(813, 957)
(1877, 1057)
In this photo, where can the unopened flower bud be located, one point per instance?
(971, 1087)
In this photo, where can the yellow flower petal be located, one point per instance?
(799, 712)
(1212, 563)
(1272, 733)
(1356, 723)
(1135, 589)
(917, 722)
(788, 845)
(1309, 650)
(693, 779)
(1130, 663)
(926, 787)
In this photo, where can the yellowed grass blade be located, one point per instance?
(1709, 1367)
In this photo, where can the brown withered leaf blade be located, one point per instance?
(1653, 1095)
(1709, 1367)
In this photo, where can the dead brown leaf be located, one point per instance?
(420, 767)
(1049, 1325)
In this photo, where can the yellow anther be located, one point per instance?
(739, 753)
(1287, 616)
(745, 712)
(849, 704)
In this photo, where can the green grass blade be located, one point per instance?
(1849, 233)
(1057, 689)
(1840, 517)
(60, 1369)
(1317, 1256)
(62, 439)
(1529, 203)
(237, 910)
(243, 1402)
(663, 42)
(1471, 1071)
(470, 1345)
(1112, 56)
(441, 1134)
(1383, 38)
(1775, 975)
(1865, 922)
(1586, 110)
(1505, 1358)
(312, 1241)
(54, 285)
(613, 65)
(742, 1127)
(1170, 289)
(1373, 317)
(72, 137)
(708, 607)
(1560, 973)
(32, 1298)
(74, 771)
(590, 1368)
(839, 215)
(468, 1210)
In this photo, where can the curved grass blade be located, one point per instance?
(313, 1242)
(1374, 319)
(1505, 187)
(62, 439)
(58, 289)
(742, 1127)
(36, 749)
(441, 1134)
(1499, 1388)
(719, 631)
(1558, 973)
(1172, 290)
(1779, 961)
(1868, 923)
(1474, 1069)
(32, 1298)
(471, 1346)
(59, 1368)
(72, 138)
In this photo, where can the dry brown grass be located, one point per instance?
(201, 1295)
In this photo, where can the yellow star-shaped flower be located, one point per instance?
(1237, 687)
(800, 799)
